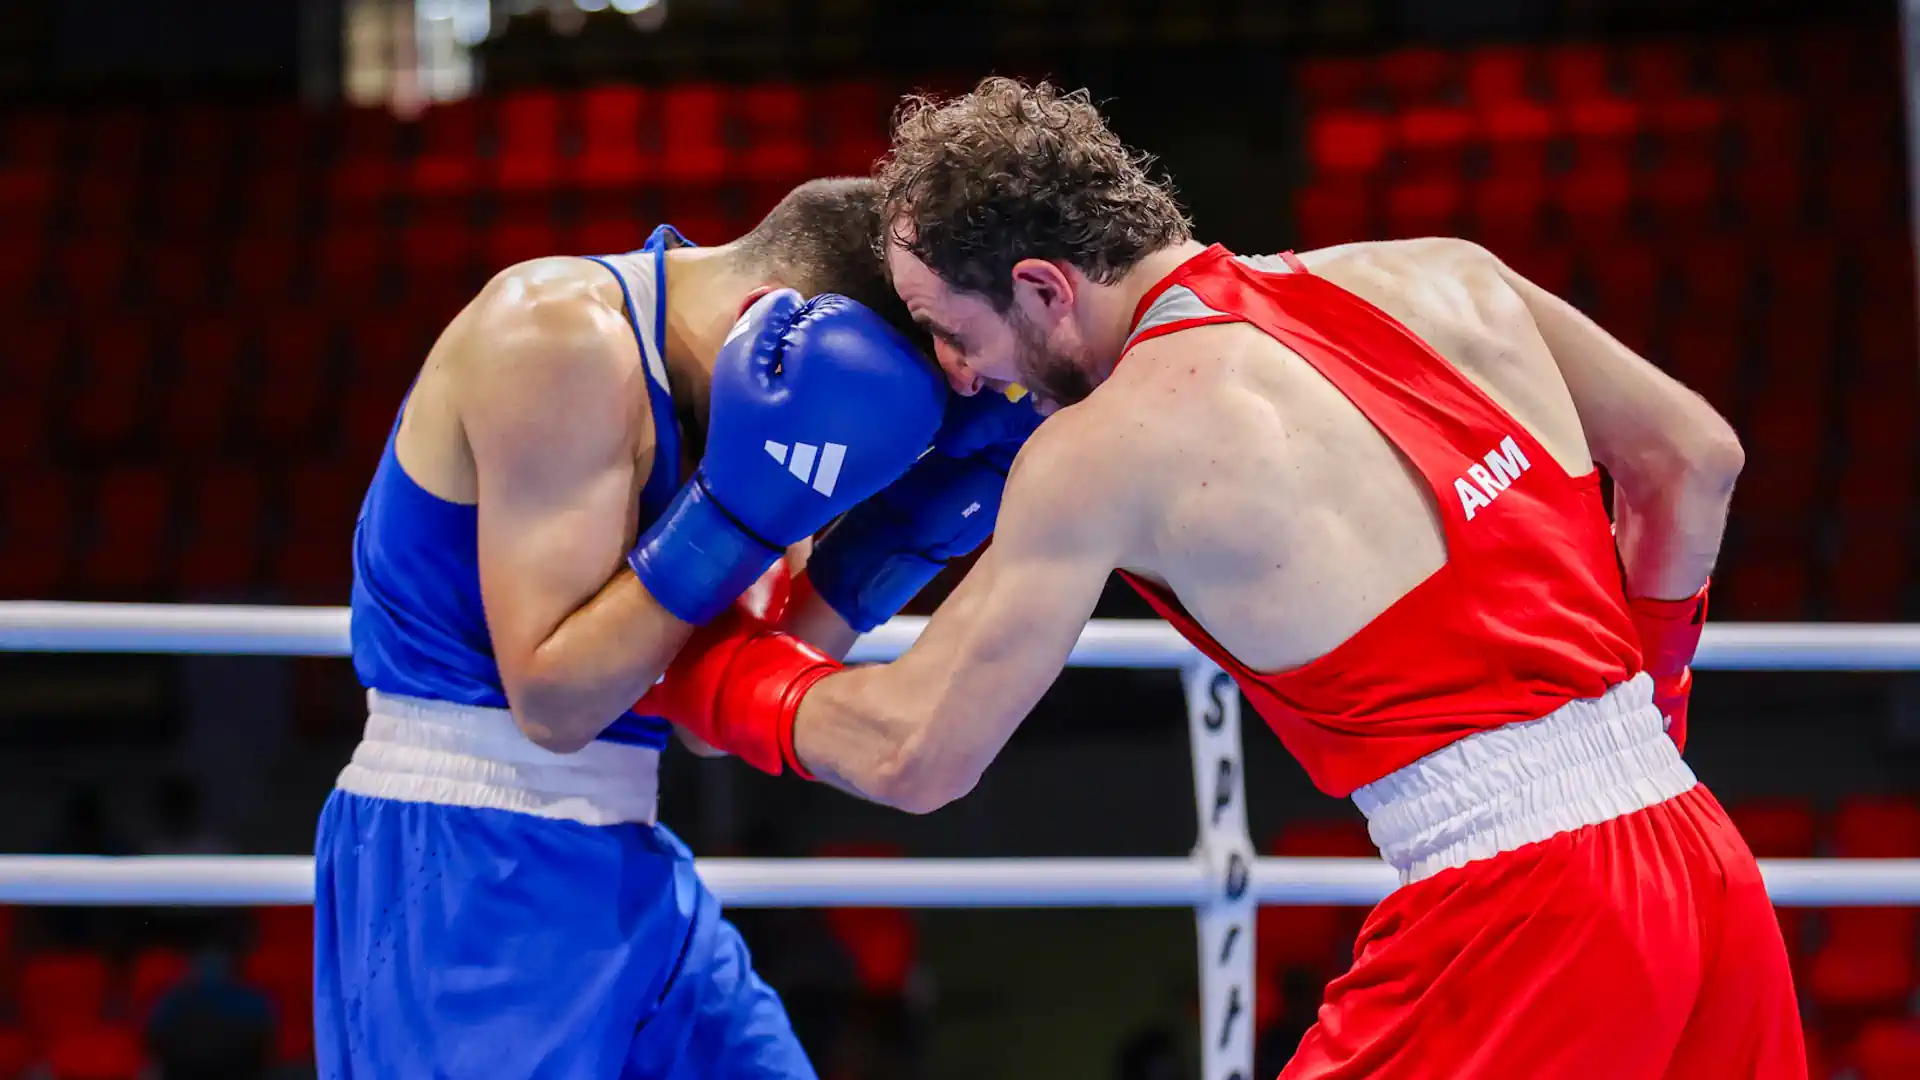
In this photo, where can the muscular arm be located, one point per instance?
(917, 733)
(1672, 458)
(550, 417)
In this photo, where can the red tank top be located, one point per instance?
(1528, 611)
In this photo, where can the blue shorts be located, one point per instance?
(454, 942)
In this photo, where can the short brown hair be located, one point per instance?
(822, 237)
(1011, 171)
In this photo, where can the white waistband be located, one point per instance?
(1586, 762)
(462, 755)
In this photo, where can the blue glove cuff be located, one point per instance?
(866, 584)
(696, 559)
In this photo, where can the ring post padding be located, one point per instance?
(1225, 917)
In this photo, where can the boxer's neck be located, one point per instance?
(705, 295)
(1108, 310)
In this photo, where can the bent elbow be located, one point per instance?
(1720, 458)
(916, 786)
(550, 735)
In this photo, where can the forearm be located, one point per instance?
(1669, 530)
(861, 731)
(594, 665)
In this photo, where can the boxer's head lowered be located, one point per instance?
(823, 237)
(1005, 208)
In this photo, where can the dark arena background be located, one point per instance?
(229, 230)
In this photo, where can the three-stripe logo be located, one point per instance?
(815, 466)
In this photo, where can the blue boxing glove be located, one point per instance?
(815, 405)
(884, 551)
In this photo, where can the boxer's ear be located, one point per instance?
(753, 296)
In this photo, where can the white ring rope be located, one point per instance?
(232, 629)
(233, 880)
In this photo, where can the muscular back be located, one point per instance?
(1281, 517)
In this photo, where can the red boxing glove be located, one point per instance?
(737, 686)
(1669, 633)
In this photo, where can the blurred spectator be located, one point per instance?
(212, 1027)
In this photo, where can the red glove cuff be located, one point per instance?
(770, 674)
(1669, 631)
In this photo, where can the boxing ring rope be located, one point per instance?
(1221, 881)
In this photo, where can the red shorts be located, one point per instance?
(1640, 948)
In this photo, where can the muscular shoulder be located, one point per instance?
(546, 345)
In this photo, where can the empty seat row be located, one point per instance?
(1824, 64)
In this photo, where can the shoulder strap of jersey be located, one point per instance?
(664, 479)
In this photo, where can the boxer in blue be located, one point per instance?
(494, 897)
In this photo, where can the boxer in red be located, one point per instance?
(1365, 480)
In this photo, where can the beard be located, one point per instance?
(1050, 374)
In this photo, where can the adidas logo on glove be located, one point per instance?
(802, 458)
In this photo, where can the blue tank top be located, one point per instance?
(418, 627)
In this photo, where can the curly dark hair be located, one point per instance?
(1011, 171)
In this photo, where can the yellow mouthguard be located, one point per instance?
(1015, 391)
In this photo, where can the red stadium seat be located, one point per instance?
(1659, 70)
(1777, 828)
(132, 505)
(1860, 197)
(772, 121)
(1498, 74)
(1887, 1050)
(1743, 65)
(218, 554)
(286, 977)
(364, 164)
(856, 115)
(448, 161)
(1575, 72)
(107, 412)
(1423, 208)
(1681, 197)
(1333, 214)
(1869, 569)
(100, 1052)
(62, 992)
(1593, 203)
(183, 275)
(283, 929)
(1517, 134)
(615, 152)
(1877, 827)
(36, 533)
(89, 274)
(438, 244)
(321, 502)
(153, 973)
(291, 400)
(350, 264)
(1783, 436)
(1686, 128)
(1866, 964)
(1505, 211)
(1433, 140)
(1417, 76)
(197, 413)
(1318, 939)
(1768, 578)
(691, 118)
(508, 243)
(274, 204)
(532, 123)
(18, 1053)
(1714, 275)
(1347, 143)
(1772, 131)
(1603, 131)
